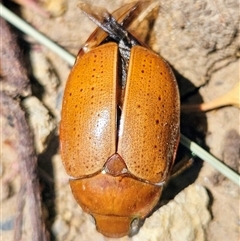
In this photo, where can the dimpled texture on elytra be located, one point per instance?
(88, 126)
(149, 126)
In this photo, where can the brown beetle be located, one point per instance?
(120, 123)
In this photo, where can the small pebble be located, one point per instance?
(60, 228)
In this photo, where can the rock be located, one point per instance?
(5, 192)
(40, 121)
(60, 228)
(184, 218)
(46, 75)
(55, 8)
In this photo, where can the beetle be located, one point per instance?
(119, 130)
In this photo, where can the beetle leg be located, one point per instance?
(181, 166)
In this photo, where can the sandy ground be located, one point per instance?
(200, 40)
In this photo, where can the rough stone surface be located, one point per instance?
(200, 40)
(184, 218)
(40, 120)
